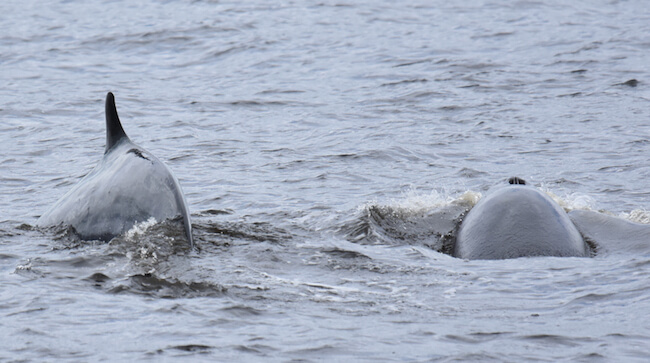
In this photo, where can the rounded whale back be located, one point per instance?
(518, 221)
(128, 186)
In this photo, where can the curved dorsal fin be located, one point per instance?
(114, 130)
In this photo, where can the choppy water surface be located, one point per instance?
(316, 142)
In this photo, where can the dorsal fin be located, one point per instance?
(114, 130)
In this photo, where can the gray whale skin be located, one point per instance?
(518, 221)
(128, 186)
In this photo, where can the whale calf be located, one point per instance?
(128, 186)
(518, 221)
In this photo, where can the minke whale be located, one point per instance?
(128, 186)
(518, 221)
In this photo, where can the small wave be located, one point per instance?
(591, 298)
(346, 254)
(227, 232)
(169, 288)
(192, 347)
(98, 278)
(216, 212)
(176, 39)
(65, 235)
(4, 256)
(255, 103)
(425, 219)
(478, 337)
(241, 311)
(406, 81)
(554, 340)
(407, 63)
(259, 349)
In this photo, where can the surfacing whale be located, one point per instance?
(128, 186)
(518, 221)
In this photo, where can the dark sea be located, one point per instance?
(326, 150)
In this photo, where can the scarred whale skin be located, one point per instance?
(128, 186)
(518, 221)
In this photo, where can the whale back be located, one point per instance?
(518, 221)
(128, 186)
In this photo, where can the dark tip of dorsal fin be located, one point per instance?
(114, 130)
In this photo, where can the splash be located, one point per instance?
(428, 219)
(637, 216)
(573, 201)
(25, 267)
(414, 202)
(469, 198)
(140, 229)
(577, 201)
(145, 253)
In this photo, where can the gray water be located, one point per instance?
(314, 142)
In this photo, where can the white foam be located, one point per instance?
(146, 253)
(415, 202)
(577, 201)
(637, 216)
(25, 267)
(573, 201)
(141, 228)
(469, 197)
